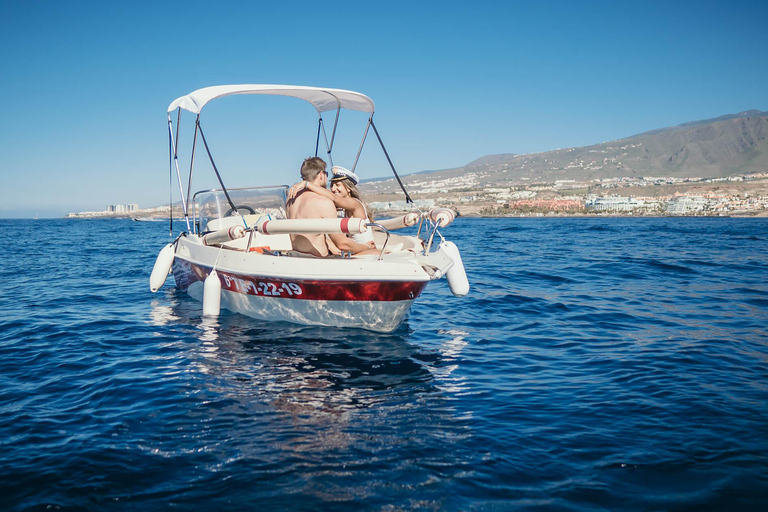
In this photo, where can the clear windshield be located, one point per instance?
(212, 204)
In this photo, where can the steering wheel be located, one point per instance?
(237, 209)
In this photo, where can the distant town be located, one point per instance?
(736, 195)
(743, 195)
(122, 211)
(653, 173)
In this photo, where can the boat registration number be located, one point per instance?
(266, 288)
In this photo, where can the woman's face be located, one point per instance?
(339, 189)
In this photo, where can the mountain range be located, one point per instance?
(724, 146)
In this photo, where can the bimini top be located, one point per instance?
(322, 99)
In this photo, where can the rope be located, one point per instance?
(407, 197)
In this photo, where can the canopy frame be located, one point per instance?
(324, 100)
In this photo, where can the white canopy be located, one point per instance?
(322, 99)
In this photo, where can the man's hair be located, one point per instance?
(311, 167)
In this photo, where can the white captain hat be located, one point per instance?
(339, 173)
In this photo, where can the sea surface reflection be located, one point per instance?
(596, 364)
(338, 398)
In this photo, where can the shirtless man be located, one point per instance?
(305, 204)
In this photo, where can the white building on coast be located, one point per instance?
(682, 205)
(122, 208)
(613, 204)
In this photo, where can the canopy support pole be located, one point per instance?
(192, 165)
(317, 140)
(170, 178)
(362, 142)
(175, 152)
(175, 155)
(335, 124)
(327, 146)
(202, 135)
(178, 127)
(407, 197)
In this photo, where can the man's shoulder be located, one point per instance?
(312, 205)
(317, 198)
(322, 205)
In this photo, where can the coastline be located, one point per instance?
(474, 215)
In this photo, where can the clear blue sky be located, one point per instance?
(85, 85)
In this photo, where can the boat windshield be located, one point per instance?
(251, 202)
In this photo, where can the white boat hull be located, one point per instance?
(374, 316)
(358, 292)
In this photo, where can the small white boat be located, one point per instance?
(236, 252)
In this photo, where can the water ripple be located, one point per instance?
(597, 364)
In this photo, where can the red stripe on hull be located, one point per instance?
(187, 273)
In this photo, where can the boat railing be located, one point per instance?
(386, 232)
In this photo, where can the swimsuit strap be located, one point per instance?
(365, 210)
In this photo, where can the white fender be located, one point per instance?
(162, 268)
(224, 235)
(405, 221)
(442, 216)
(456, 276)
(212, 294)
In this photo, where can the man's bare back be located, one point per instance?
(309, 205)
(306, 204)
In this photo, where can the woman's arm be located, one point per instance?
(348, 203)
(320, 190)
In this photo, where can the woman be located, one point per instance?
(345, 196)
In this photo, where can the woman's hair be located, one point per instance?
(354, 193)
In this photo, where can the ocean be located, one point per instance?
(597, 364)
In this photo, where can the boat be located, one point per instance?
(236, 251)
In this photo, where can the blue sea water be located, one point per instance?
(597, 364)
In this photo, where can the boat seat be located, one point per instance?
(397, 243)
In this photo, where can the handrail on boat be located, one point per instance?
(386, 232)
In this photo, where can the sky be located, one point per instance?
(86, 85)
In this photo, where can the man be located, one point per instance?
(305, 204)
